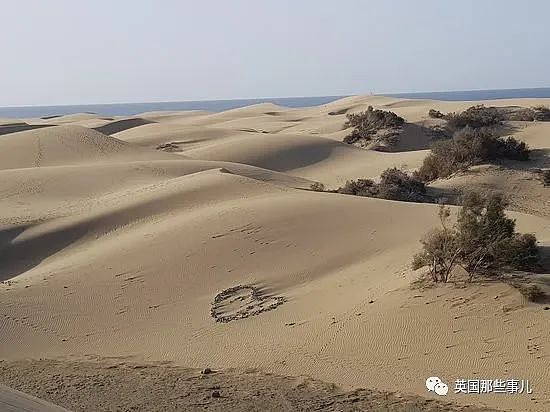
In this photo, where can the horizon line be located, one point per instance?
(274, 97)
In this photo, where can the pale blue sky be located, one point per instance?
(98, 51)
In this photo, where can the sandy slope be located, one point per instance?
(112, 248)
(14, 401)
(122, 385)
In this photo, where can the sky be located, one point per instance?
(97, 51)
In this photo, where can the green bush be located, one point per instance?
(398, 185)
(519, 252)
(511, 148)
(474, 117)
(394, 185)
(435, 114)
(359, 187)
(522, 114)
(440, 250)
(317, 186)
(366, 124)
(468, 147)
(488, 239)
(541, 114)
(435, 166)
(356, 135)
(481, 116)
(482, 241)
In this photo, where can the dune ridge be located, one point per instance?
(113, 247)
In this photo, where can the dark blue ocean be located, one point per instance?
(127, 109)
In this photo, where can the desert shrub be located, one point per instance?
(523, 114)
(546, 177)
(482, 241)
(532, 292)
(366, 124)
(398, 185)
(481, 116)
(438, 132)
(359, 187)
(487, 237)
(519, 252)
(435, 114)
(478, 145)
(541, 114)
(439, 249)
(337, 112)
(468, 147)
(317, 186)
(435, 166)
(374, 119)
(169, 147)
(511, 148)
(474, 117)
(394, 185)
(449, 156)
(356, 135)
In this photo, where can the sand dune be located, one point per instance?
(112, 248)
(155, 134)
(311, 157)
(15, 401)
(63, 145)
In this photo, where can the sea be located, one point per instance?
(129, 109)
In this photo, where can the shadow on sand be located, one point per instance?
(20, 127)
(18, 257)
(121, 125)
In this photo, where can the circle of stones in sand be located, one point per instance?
(242, 301)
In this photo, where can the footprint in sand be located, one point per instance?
(242, 301)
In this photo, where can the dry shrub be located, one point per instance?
(541, 114)
(359, 187)
(481, 116)
(532, 292)
(366, 124)
(474, 117)
(435, 114)
(317, 186)
(483, 240)
(394, 185)
(468, 147)
(398, 185)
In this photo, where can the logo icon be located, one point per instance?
(434, 384)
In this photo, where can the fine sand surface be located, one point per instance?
(117, 384)
(16, 401)
(113, 248)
